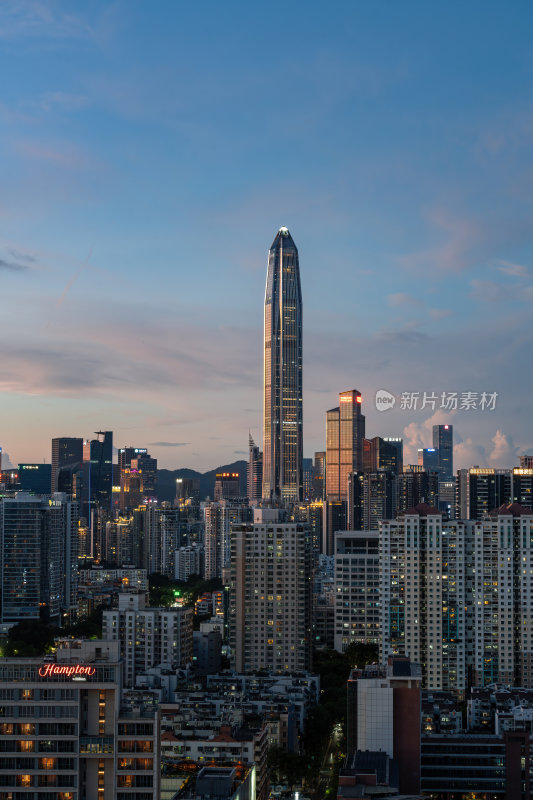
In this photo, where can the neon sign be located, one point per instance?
(67, 670)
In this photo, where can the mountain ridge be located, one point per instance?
(166, 480)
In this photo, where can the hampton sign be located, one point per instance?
(66, 670)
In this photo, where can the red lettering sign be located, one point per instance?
(66, 670)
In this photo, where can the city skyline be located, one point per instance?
(131, 305)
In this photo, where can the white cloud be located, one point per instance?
(505, 452)
(515, 270)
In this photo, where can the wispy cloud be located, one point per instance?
(440, 313)
(402, 299)
(60, 154)
(487, 291)
(169, 444)
(63, 100)
(409, 301)
(12, 266)
(515, 270)
(461, 239)
(21, 19)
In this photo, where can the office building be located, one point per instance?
(482, 489)
(391, 457)
(35, 478)
(372, 497)
(64, 734)
(443, 444)
(428, 459)
(38, 557)
(67, 451)
(187, 489)
(416, 486)
(283, 417)
(308, 475)
(526, 462)
(523, 486)
(147, 466)
(357, 585)
(131, 489)
(447, 495)
(254, 472)
(98, 472)
(345, 433)
(148, 636)
(319, 476)
(227, 486)
(125, 455)
(270, 595)
(383, 454)
(138, 458)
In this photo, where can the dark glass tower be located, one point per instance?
(282, 439)
(67, 451)
(443, 442)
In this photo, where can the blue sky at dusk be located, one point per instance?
(150, 151)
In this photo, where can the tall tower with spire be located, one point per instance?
(283, 419)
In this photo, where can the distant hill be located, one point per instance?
(166, 480)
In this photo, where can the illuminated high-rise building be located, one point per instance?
(98, 469)
(38, 557)
(443, 443)
(282, 432)
(345, 433)
(482, 489)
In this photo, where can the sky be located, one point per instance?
(149, 152)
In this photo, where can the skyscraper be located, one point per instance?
(254, 474)
(67, 451)
(443, 442)
(38, 557)
(428, 459)
(482, 489)
(282, 439)
(98, 468)
(345, 433)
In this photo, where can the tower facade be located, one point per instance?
(282, 429)
(345, 432)
(67, 451)
(270, 594)
(443, 443)
(254, 474)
